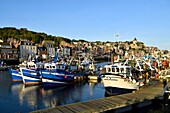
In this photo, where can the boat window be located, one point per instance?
(109, 69)
(122, 69)
(47, 67)
(117, 69)
(53, 67)
(113, 69)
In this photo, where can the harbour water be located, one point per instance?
(18, 98)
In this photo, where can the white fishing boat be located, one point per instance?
(118, 79)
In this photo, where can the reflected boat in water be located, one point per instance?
(39, 97)
(93, 81)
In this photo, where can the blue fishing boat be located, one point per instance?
(58, 74)
(16, 75)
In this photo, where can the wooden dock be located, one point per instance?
(118, 103)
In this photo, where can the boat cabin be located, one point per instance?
(50, 66)
(63, 67)
(30, 65)
(122, 70)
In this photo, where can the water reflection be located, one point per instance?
(26, 94)
(39, 97)
(92, 84)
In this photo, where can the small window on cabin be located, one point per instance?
(109, 69)
(117, 69)
(53, 67)
(113, 69)
(47, 67)
(122, 70)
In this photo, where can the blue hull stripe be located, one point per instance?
(31, 73)
(26, 80)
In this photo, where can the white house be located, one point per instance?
(51, 50)
(27, 48)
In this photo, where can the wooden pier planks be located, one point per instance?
(140, 97)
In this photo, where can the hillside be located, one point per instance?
(23, 33)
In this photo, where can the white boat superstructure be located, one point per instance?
(118, 79)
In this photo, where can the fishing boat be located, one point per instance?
(57, 74)
(118, 79)
(16, 73)
(27, 72)
(31, 74)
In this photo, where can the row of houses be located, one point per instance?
(15, 49)
(25, 48)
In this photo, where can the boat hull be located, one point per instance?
(110, 91)
(31, 76)
(115, 84)
(16, 75)
(50, 78)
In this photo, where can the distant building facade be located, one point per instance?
(65, 51)
(51, 50)
(27, 48)
(7, 52)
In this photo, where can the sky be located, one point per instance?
(92, 20)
